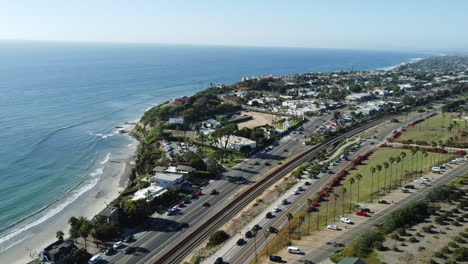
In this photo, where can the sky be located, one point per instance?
(422, 25)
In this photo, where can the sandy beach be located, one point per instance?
(112, 181)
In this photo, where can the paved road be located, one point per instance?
(165, 229)
(246, 253)
(322, 253)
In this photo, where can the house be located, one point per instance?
(242, 94)
(358, 97)
(57, 251)
(237, 143)
(110, 214)
(149, 193)
(178, 101)
(352, 261)
(211, 123)
(169, 180)
(176, 120)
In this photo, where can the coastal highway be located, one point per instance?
(163, 229)
(243, 254)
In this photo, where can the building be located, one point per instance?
(359, 97)
(176, 120)
(57, 251)
(169, 180)
(352, 261)
(178, 101)
(237, 143)
(211, 123)
(110, 214)
(149, 193)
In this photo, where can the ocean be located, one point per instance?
(61, 105)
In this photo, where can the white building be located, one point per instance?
(168, 179)
(236, 143)
(149, 193)
(176, 120)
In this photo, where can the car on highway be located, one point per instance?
(275, 258)
(109, 251)
(276, 210)
(285, 202)
(206, 204)
(129, 239)
(219, 260)
(272, 229)
(345, 220)
(172, 211)
(118, 244)
(361, 213)
(240, 242)
(404, 190)
(332, 227)
(306, 183)
(269, 215)
(248, 234)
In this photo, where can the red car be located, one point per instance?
(181, 204)
(361, 213)
(198, 193)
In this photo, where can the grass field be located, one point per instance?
(436, 128)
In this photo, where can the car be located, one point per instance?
(187, 201)
(295, 192)
(332, 227)
(256, 163)
(214, 192)
(180, 205)
(272, 229)
(240, 242)
(206, 204)
(306, 183)
(118, 244)
(267, 164)
(382, 202)
(95, 259)
(409, 186)
(300, 189)
(404, 190)
(129, 250)
(269, 215)
(276, 210)
(294, 250)
(183, 225)
(345, 220)
(424, 179)
(256, 228)
(128, 239)
(199, 193)
(275, 258)
(172, 211)
(219, 260)
(361, 213)
(109, 251)
(248, 234)
(285, 202)
(367, 210)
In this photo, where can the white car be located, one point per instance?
(295, 193)
(332, 227)
(276, 210)
(424, 179)
(345, 220)
(118, 245)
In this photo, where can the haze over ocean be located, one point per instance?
(60, 104)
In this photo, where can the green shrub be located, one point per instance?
(453, 244)
(419, 234)
(439, 254)
(401, 231)
(460, 219)
(459, 239)
(413, 240)
(421, 248)
(395, 236)
(446, 250)
(217, 238)
(460, 254)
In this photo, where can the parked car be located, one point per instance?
(118, 245)
(180, 205)
(409, 186)
(345, 220)
(95, 259)
(295, 193)
(294, 250)
(307, 183)
(383, 202)
(172, 211)
(199, 193)
(109, 251)
(332, 227)
(276, 258)
(361, 213)
(240, 242)
(256, 228)
(267, 164)
(285, 202)
(404, 190)
(367, 210)
(128, 239)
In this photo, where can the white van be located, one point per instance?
(294, 250)
(95, 259)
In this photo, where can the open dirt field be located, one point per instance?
(258, 119)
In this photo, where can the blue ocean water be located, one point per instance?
(60, 103)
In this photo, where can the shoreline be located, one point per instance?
(113, 180)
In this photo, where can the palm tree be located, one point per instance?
(425, 154)
(351, 182)
(379, 168)
(335, 197)
(372, 170)
(386, 165)
(309, 202)
(398, 160)
(413, 153)
(290, 217)
(403, 156)
(59, 235)
(391, 160)
(343, 191)
(301, 220)
(434, 145)
(358, 178)
(266, 234)
(326, 212)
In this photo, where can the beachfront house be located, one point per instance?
(56, 252)
(110, 214)
(169, 180)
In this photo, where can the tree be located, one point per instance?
(391, 160)
(351, 182)
(59, 235)
(386, 165)
(335, 197)
(301, 220)
(402, 155)
(372, 170)
(266, 234)
(309, 203)
(414, 151)
(358, 178)
(290, 217)
(398, 160)
(336, 115)
(379, 168)
(217, 238)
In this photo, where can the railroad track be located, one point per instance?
(178, 252)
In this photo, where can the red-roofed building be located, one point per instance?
(178, 101)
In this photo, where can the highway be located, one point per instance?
(165, 229)
(246, 253)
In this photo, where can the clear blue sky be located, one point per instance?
(361, 24)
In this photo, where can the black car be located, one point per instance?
(269, 215)
(383, 202)
(248, 234)
(219, 261)
(271, 229)
(306, 183)
(206, 204)
(214, 192)
(367, 210)
(409, 186)
(109, 251)
(276, 258)
(284, 202)
(128, 239)
(256, 227)
(267, 164)
(240, 242)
